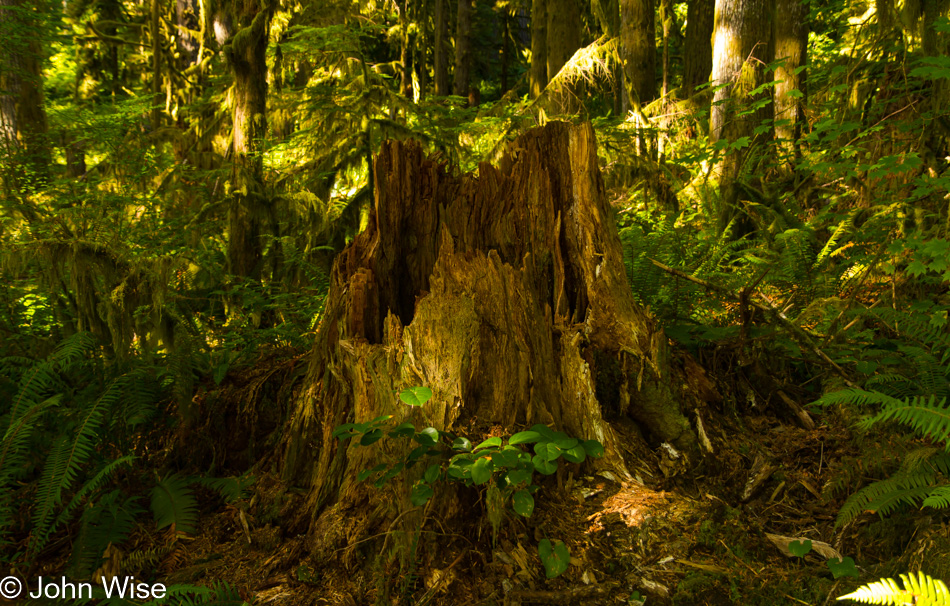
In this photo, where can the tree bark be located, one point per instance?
(441, 59)
(791, 44)
(638, 50)
(742, 49)
(504, 293)
(405, 55)
(563, 33)
(698, 50)
(248, 210)
(539, 44)
(23, 126)
(463, 48)
(423, 47)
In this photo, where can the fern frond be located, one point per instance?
(939, 497)
(884, 496)
(174, 503)
(111, 520)
(64, 462)
(71, 350)
(91, 487)
(856, 397)
(930, 417)
(922, 590)
(231, 489)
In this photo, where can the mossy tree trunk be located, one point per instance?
(539, 43)
(638, 51)
(441, 59)
(463, 48)
(249, 208)
(697, 53)
(742, 48)
(505, 293)
(791, 45)
(24, 145)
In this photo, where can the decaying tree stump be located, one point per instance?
(498, 291)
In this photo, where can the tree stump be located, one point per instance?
(503, 292)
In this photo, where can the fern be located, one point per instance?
(64, 462)
(928, 416)
(920, 589)
(174, 503)
(111, 520)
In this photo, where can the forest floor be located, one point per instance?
(679, 536)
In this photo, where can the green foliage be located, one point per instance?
(917, 589)
(506, 470)
(174, 504)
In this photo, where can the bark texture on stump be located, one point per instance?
(502, 292)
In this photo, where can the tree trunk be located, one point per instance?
(441, 59)
(667, 17)
(563, 33)
(539, 43)
(248, 206)
(422, 22)
(155, 33)
(505, 50)
(505, 294)
(638, 50)
(463, 49)
(698, 51)
(405, 56)
(791, 45)
(608, 15)
(23, 127)
(743, 47)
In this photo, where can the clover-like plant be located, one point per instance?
(505, 466)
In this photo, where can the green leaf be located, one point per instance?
(496, 441)
(545, 431)
(420, 494)
(593, 448)
(361, 476)
(392, 473)
(548, 450)
(523, 503)
(173, 502)
(842, 568)
(482, 470)
(427, 437)
(567, 443)
(517, 476)
(524, 437)
(432, 473)
(506, 458)
(402, 430)
(543, 465)
(373, 435)
(575, 455)
(344, 432)
(460, 468)
(799, 548)
(866, 367)
(462, 444)
(554, 557)
(417, 453)
(415, 396)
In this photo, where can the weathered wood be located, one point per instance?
(500, 292)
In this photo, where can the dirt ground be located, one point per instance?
(706, 534)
